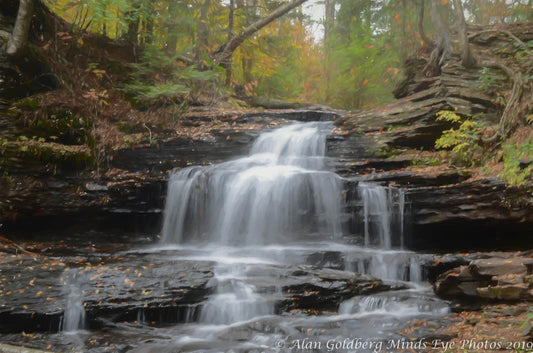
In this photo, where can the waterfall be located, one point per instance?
(382, 215)
(276, 194)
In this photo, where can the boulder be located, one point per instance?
(498, 267)
(493, 279)
(504, 293)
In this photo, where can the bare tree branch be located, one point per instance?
(226, 50)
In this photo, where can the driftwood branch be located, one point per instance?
(16, 246)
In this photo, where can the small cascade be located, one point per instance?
(235, 299)
(388, 265)
(74, 316)
(383, 215)
(400, 303)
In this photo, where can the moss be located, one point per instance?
(46, 153)
(425, 162)
(29, 103)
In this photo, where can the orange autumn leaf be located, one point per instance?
(397, 18)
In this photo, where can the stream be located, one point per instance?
(261, 250)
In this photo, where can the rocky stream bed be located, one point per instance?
(137, 293)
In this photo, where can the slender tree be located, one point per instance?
(19, 39)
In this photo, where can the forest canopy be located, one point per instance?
(344, 53)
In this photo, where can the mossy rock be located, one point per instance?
(15, 154)
(509, 292)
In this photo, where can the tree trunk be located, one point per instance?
(133, 22)
(19, 39)
(330, 19)
(203, 32)
(172, 34)
(468, 58)
(436, 17)
(230, 37)
(328, 28)
(423, 36)
(236, 41)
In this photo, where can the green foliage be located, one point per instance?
(462, 141)
(161, 78)
(512, 154)
(425, 162)
(363, 59)
(487, 78)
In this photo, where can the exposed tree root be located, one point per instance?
(506, 32)
(437, 57)
(509, 118)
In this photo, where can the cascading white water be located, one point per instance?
(235, 299)
(74, 314)
(383, 215)
(275, 194)
(400, 303)
(263, 203)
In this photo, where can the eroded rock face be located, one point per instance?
(489, 279)
(474, 214)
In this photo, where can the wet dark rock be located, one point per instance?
(493, 279)
(326, 259)
(498, 267)
(319, 290)
(469, 215)
(156, 289)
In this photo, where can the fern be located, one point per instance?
(161, 78)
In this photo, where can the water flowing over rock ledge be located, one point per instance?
(448, 208)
